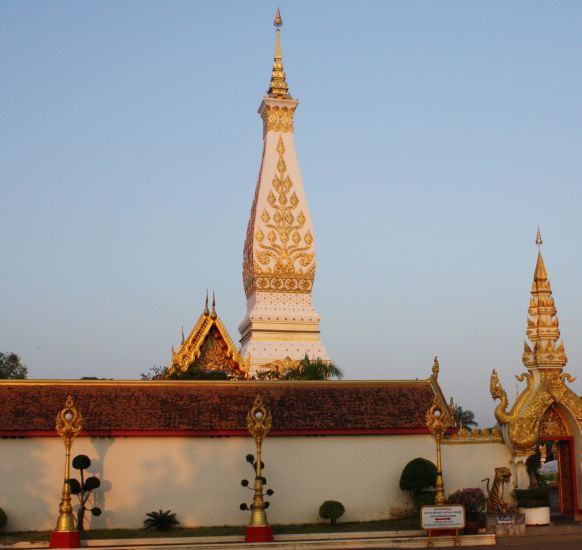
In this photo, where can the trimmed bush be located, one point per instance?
(418, 476)
(533, 498)
(332, 510)
(3, 518)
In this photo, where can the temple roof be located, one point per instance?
(209, 347)
(174, 408)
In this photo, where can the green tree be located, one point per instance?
(418, 478)
(313, 369)
(11, 367)
(465, 418)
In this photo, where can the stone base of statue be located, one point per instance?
(512, 523)
(262, 533)
(65, 539)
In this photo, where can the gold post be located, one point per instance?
(438, 420)
(68, 425)
(259, 423)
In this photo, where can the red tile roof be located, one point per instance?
(28, 408)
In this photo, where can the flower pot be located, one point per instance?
(471, 527)
(536, 516)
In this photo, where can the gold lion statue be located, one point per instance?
(495, 502)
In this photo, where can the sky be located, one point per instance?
(433, 138)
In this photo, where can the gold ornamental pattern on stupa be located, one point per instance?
(542, 323)
(279, 253)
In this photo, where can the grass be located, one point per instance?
(383, 525)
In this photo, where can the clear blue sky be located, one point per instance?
(433, 138)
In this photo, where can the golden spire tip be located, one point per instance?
(539, 237)
(278, 21)
(213, 313)
(278, 87)
(206, 311)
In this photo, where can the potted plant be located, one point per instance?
(473, 499)
(535, 504)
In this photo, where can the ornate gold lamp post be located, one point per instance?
(438, 420)
(259, 423)
(68, 425)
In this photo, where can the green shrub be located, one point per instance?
(332, 510)
(418, 476)
(161, 521)
(3, 518)
(533, 498)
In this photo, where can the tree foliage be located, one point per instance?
(313, 369)
(11, 367)
(465, 418)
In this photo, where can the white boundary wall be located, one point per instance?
(199, 477)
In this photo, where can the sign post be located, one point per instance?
(433, 518)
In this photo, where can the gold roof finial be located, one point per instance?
(539, 241)
(206, 310)
(213, 314)
(278, 87)
(435, 367)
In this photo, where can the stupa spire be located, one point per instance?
(278, 88)
(542, 322)
(279, 253)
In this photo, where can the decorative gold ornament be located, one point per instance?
(284, 259)
(525, 418)
(281, 366)
(476, 435)
(259, 422)
(69, 423)
(438, 421)
(553, 425)
(435, 368)
(277, 119)
(495, 502)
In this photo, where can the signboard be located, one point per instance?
(442, 517)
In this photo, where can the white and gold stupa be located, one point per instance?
(280, 326)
